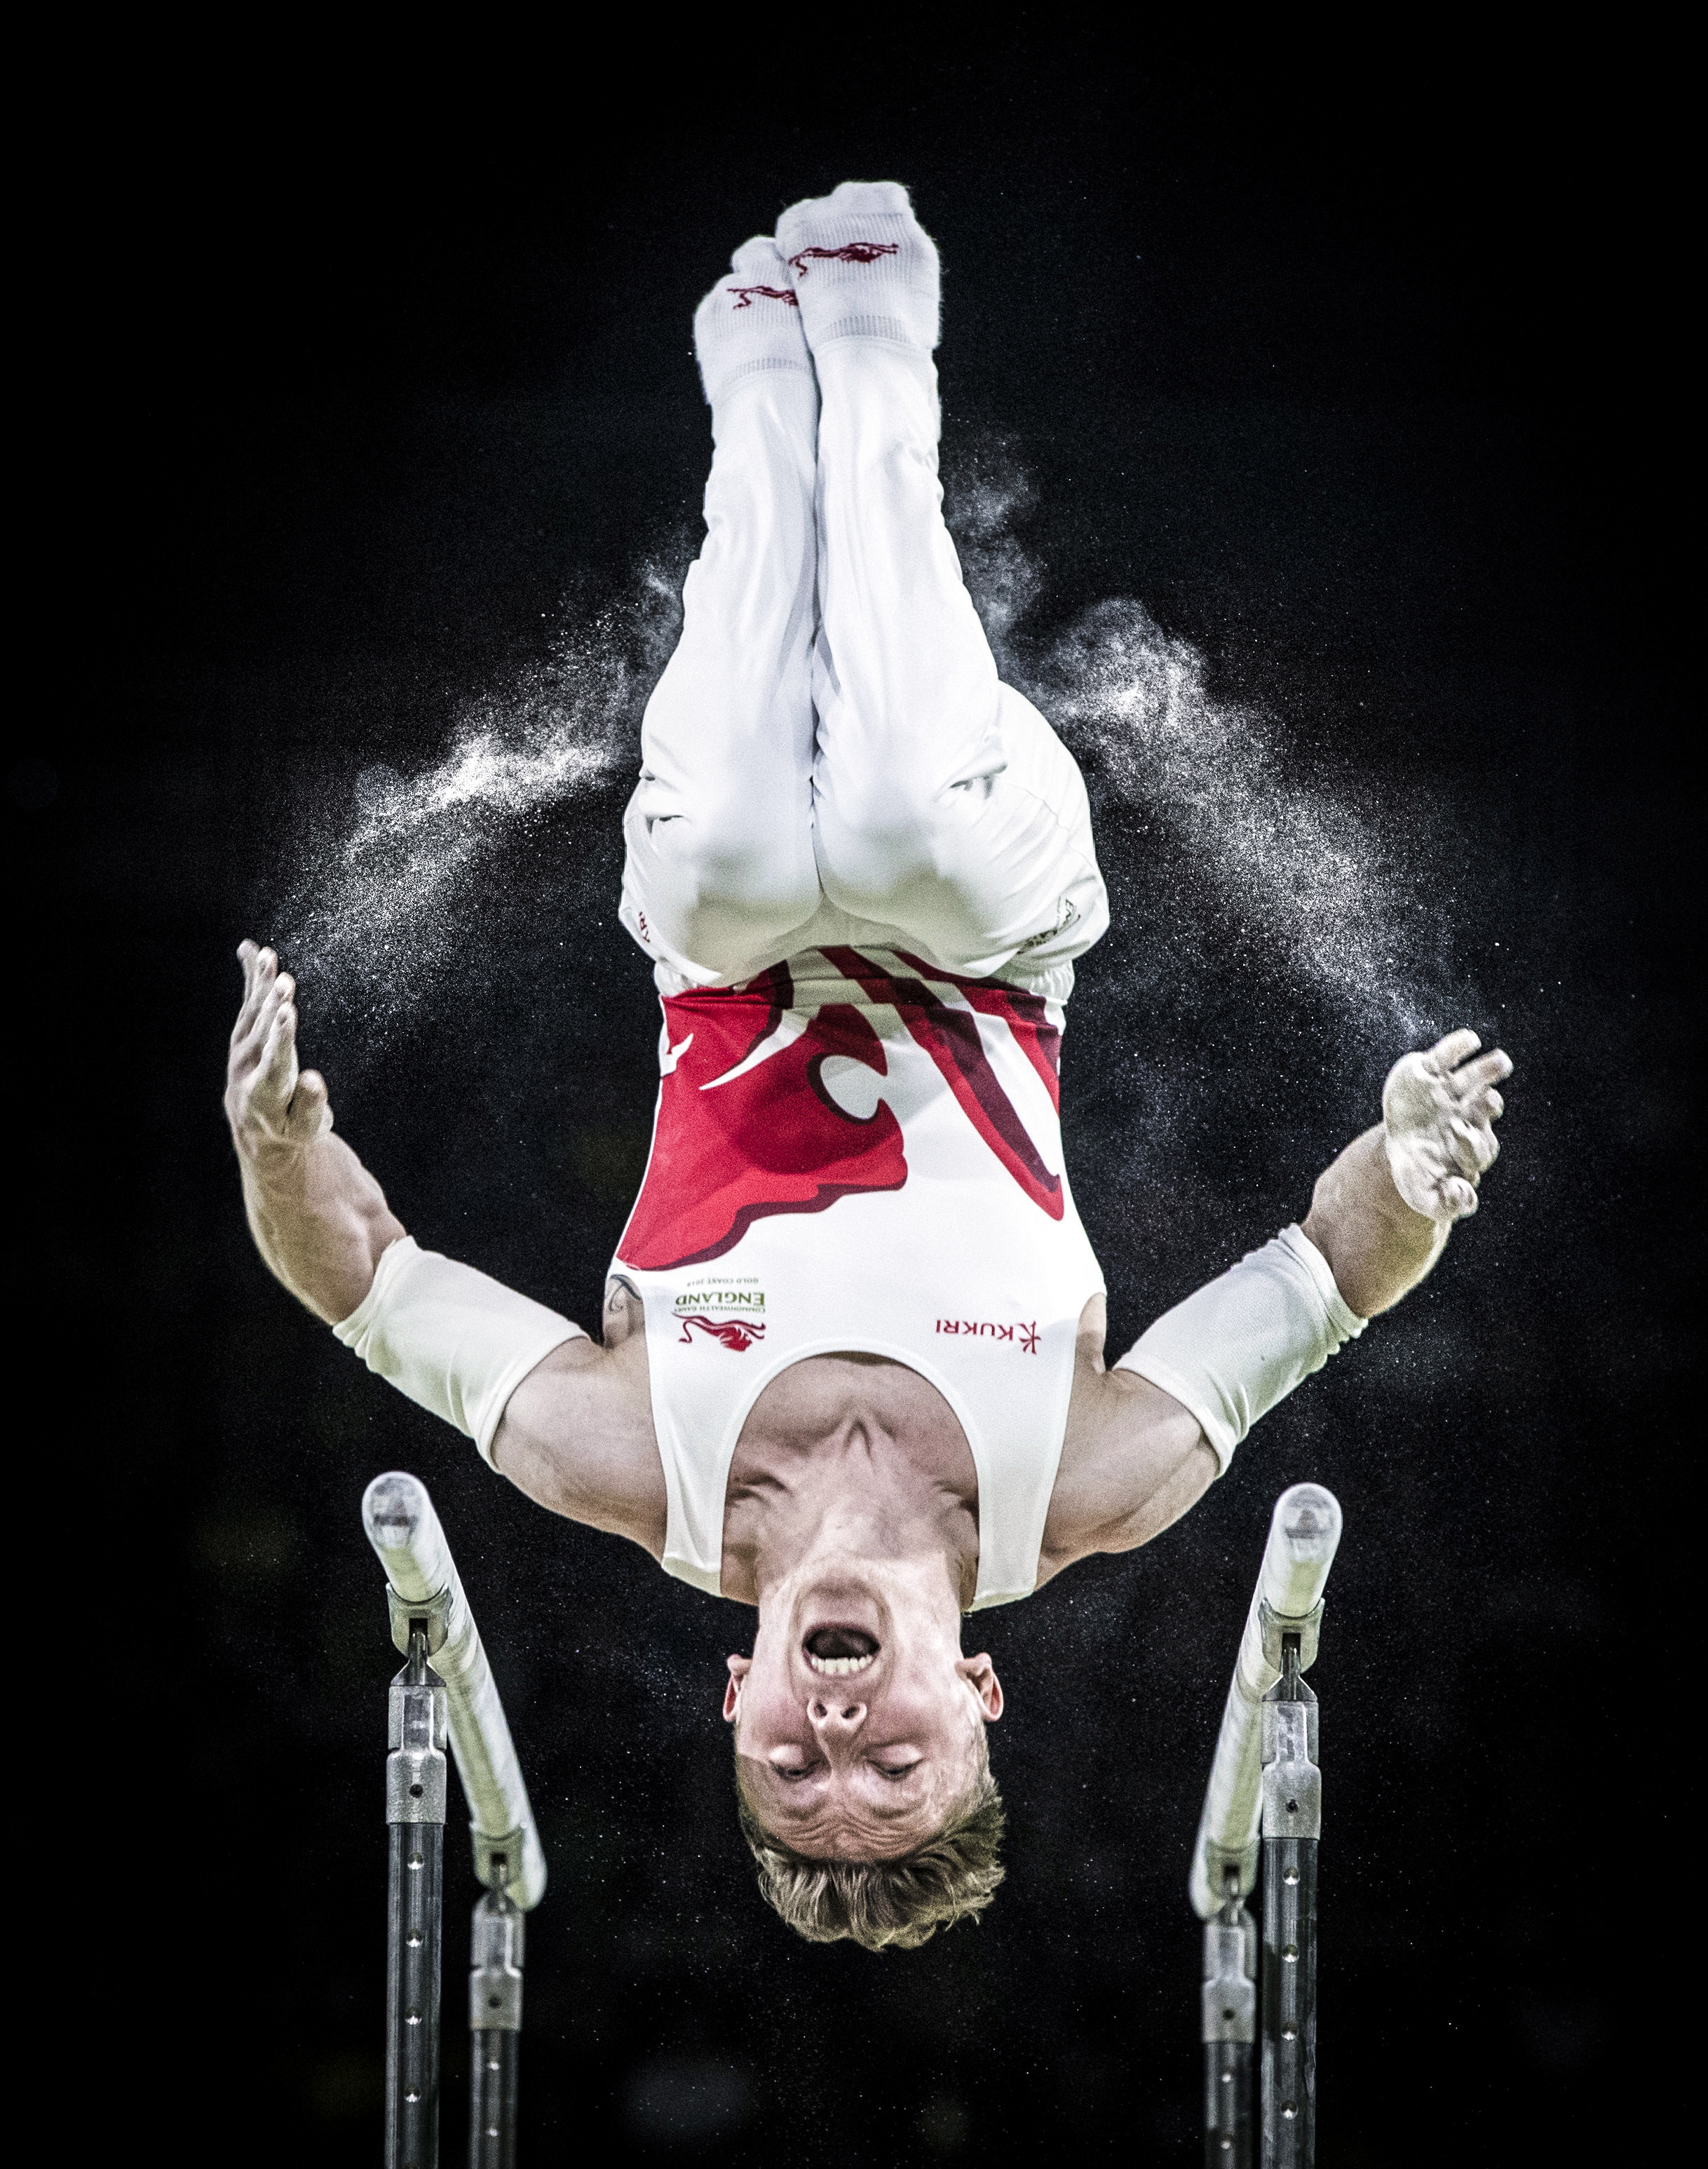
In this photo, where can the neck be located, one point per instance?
(817, 1520)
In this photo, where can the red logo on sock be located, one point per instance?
(744, 296)
(851, 252)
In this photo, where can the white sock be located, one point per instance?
(750, 321)
(863, 266)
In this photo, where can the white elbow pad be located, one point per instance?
(1241, 1344)
(456, 1342)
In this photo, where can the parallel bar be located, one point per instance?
(424, 1584)
(415, 1795)
(1303, 1535)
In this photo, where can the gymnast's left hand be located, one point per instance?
(1439, 1113)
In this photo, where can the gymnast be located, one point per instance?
(851, 1371)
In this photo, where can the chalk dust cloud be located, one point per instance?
(1207, 820)
(1347, 904)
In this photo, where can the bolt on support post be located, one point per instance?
(1292, 1823)
(1230, 2031)
(495, 2030)
(415, 1804)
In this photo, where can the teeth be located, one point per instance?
(836, 1668)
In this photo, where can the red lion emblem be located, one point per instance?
(851, 252)
(744, 296)
(735, 1333)
(746, 1126)
(741, 1132)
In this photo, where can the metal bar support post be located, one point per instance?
(416, 1772)
(1230, 2032)
(446, 1694)
(1264, 1805)
(1292, 1825)
(495, 2030)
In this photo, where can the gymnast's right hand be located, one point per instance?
(319, 1219)
(269, 1102)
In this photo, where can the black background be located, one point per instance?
(1362, 369)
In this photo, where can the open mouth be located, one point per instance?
(837, 1651)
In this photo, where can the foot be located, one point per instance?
(750, 321)
(1439, 1111)
(862, 266)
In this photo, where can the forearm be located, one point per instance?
(1376, 1246)
(1379, 1219)
(319, 1219)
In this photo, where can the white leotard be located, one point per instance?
(858, 1150)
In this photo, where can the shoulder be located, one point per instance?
(577, 1434)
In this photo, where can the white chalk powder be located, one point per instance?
(1352, 904)
(1345, 902)
(397, 901)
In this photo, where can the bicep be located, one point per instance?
(576, 1436)
(1133, 1461)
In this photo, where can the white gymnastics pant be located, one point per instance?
(830, 755)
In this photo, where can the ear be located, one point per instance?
(739, 1669)
(979, 1675)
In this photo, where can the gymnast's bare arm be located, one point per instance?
(1133, 1459)
(321, 1223)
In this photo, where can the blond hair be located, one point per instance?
(885, 1905)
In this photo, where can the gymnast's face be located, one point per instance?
(857, 1717)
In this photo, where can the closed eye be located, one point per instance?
(791, 1774)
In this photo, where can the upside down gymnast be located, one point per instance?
(852, 1364)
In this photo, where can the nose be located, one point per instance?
(836, 1717)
